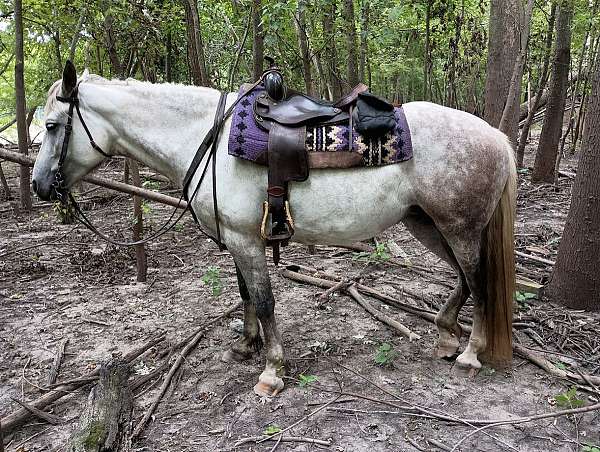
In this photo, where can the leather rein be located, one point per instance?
(209, 143)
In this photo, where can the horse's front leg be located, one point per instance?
(251, 261)
(250, 341)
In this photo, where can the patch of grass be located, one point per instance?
(560, 365)
(212, 278)
(385, 355)
(379, 254)
(271, 430)
(523, 297)
(306, 380)
(569, 399)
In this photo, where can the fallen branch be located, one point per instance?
(13, 420)
(550, 368)
(167, 381)
(103, 182)
(55, 369)
(283, 439)
(351, 290)
(50, 418)
(535, 258)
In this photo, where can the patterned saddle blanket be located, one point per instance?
(327, 146)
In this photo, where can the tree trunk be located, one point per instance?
(503, 51)
(575, 280)
(168, 62)
(540, 90)
(105, 424)
(28, 121)
(581, 115)
(364, 40)
(512, 103)
(24, 179)
(7, 195)
(300, 23)
(195, 45)
(330, 53)
(258, 41)
(111, 47)
(76, 35)
(427, 64)
(138, 227)
(351, 42)
(545, 158)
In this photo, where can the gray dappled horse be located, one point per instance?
(456, 196)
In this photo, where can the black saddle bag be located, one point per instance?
(373, 116)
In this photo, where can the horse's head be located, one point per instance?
(79, 157)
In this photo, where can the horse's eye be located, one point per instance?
(50, 126)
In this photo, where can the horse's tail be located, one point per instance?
(499, 260)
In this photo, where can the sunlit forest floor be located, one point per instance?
(74, 286)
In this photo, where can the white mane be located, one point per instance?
(172, 92)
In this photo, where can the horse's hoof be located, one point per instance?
(268, 387)
(468, 361)
(446, 351)
(231, 356)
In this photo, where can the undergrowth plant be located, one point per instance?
(378, 255)
(212, 278)
(385, 355)
(569, 399)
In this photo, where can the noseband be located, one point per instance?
(59, 180)
(210, 141)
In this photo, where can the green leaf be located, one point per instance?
(306, 380)
(271, 430)
(569, 399)
(385, 355)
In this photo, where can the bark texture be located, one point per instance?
(330, 52)
(503, 51)
(351, 46)
(195, 45)
(24, 175)
(545, 157)
(539, 96)
(575, 280)
(138, 227)
(105, 423)
(300, 23)
(258, 41)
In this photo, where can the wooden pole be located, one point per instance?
(138, 227)
(103, 182)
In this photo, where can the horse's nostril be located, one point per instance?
(34, 185)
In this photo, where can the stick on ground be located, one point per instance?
(167, 381)
(55, 369)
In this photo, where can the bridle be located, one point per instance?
(210, 142)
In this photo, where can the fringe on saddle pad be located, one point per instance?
(249, 142)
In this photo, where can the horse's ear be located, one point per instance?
(86, 74)
(69, 78)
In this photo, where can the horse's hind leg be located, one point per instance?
(423, 228)
(250, 257)
(250, 340)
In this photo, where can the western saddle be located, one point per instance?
(286, 114)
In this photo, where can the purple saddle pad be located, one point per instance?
(249, 142)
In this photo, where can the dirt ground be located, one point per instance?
(59, 281)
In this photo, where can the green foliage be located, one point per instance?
(569, 399)
(523, 297)
(560, 365)
(146, 209)
(306, 380)
(590, 448)
(379, 254)
(271, 430)
(212, 279)
(63, 212)
(151, 184)
(385, 355)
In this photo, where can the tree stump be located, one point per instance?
(105, 424)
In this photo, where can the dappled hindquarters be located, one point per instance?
(352, 383)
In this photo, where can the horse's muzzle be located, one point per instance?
(45, 190)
